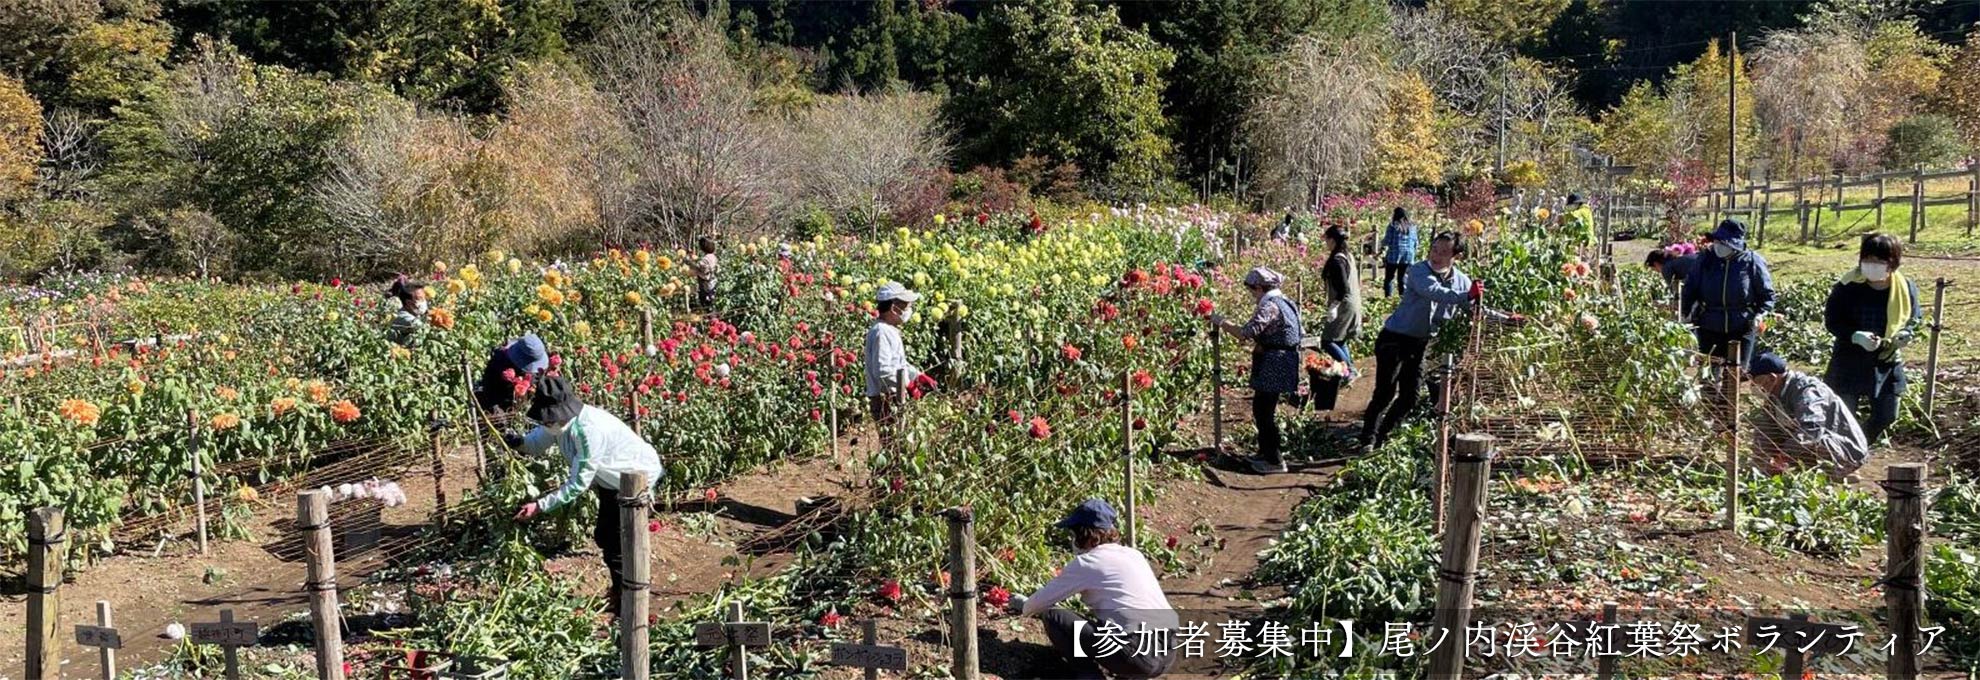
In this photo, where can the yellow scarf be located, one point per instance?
(1897, 311)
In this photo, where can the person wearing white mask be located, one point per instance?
(1729, 294)
(1873, 312)
(600, 449)
(411, 316)
(886, 354)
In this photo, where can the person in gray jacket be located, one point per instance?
(1805, 420)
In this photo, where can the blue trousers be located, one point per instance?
(1883, 411)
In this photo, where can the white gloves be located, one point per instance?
(1016, 605)
(1865, 340)
(1901, 341)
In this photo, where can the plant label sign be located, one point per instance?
(724, 634)
(227, 633)
(869, 656)
(99, 636)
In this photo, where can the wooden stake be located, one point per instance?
(439, 461)
(635, 656)
(1460, 552)
(1917, 202)
(198, 479)
(1127, 450)
(474, 421)
(1795, 661)
(1440, 474)
(1880, 202)
(1733, 370)
(646, 331)
(313, 521)
(962, 594)
(1904, 562)
(1605, 664)
(103, 636)
(1973, 201)
(832, 415)
(46, 557)
(738, 652)
(1932, 352)
(1216, 389)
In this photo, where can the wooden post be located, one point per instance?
(1973, 201)
(104, 637)
(1766, 206)
(738, 652)
(1736, 365)
(1605, 664)
(1127, 451)
(871, 655)
(632, 409)
(232, 653)
(313, 520)
(1216, 389)
(439, 462)
(870, 636)
(1460, 553)
(1880, 202)
(1932, 352)
(1904, 565)
(1794, 662)
(474, 421)
(1440, 473)
(901, 409)
(1801, 208)
(832, 414)
(962, 594)
(46, 557)
(646, 331)
(198, 478)
(634, 653)
(1917, 202)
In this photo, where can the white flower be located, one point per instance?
(174, 631)
(748, 337)
(346, 490)
(722, 370)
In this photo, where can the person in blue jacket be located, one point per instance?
(1873, 312)
(1397, 251)
(1729, 295)
(1436, 291)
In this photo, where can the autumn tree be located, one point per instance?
(1959, 98)
(1506, 21)
(1407, 149)
(1810, 90)
(1641, 130)
(1701, 98)
(20, 138)
(1313, 125)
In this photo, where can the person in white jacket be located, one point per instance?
(600, 448)
(886, 354)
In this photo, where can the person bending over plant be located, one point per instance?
(1804, 420)
(600, 449)
(1116, 582)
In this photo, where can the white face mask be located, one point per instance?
(419, 307)
(907, 315)
(1875, 271)
(1724, 250)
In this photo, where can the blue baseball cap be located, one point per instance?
(1767, 363)
(1094, 513)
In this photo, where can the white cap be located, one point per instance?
(895, 291)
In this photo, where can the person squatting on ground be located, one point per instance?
(1729, 295)
(1436, 292)
(1397, 252)
(1873, 313)
(508, 373)
(1275, 333)
(886, 355)
(1115, 582)
(411, 317)
(1343, 279)
(1805, 420)
(599, 449)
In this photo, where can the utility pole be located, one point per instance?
(1504, 83)
(1732, 117)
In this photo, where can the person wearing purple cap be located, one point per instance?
(509, 370)
(1115, 582)
(1804, 420)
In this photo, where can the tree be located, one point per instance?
(310, 37)
(1809, 90)
(1959, 99)
(1505, 21)
(110, 63)
(1065, 80)
(1312, 128)
(1407, 149)
(854, 154)
(459, 51)
(1930, 140)
(1462, 69)
(1703, 108)
(20, 139)
(1641, 130)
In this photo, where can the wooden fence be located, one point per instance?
(1813, 206)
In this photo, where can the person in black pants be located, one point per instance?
(1435, 293)
(1276, 334)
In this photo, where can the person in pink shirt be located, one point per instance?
(1131, 634)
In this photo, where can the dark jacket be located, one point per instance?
(1276, 333)
(1726, 295)
(1680, 268)
(1856, 307)
(495, 391)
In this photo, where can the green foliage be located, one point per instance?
(310, 37)
(1641, 129)
(1930, 140)
(112, 63)
(1703, 83)
(1803, 511)
(1801, 336)
(461, 51)
(1507, 21)
(1952, 570)
(1066, 81)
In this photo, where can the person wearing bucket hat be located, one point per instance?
(1728, 295)
(886, 354)
(599, 449)
(1804, 420)
(411, 316)
(507, 373)
(1275, 333)
(1116, 582)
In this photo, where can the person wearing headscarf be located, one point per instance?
(705, 268)
(508, 372)
(1275, 332)
(411, 315)
(1343, 281)
(1728, 296)
(1436, 293)
(1872, 313)
(1120, 588)
(1804, 420)
(599, 449)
